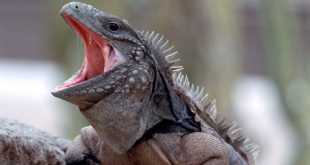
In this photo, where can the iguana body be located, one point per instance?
(141, 112)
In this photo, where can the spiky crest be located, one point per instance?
(229, 131)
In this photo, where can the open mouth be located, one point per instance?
(100, 56)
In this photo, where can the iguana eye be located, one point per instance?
(113, 26)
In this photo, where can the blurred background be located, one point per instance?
(251, 55)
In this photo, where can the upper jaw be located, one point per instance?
(100, 55)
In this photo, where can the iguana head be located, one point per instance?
(124, 86)
(112, 47)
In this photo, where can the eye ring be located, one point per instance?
(113, 26)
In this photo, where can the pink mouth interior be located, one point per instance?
(99, 55)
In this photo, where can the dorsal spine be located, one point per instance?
(229, 131)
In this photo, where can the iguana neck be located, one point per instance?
(122, 123)
(165, 104)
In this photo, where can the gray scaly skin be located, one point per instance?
(140, 110)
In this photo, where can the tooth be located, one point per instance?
(90, 40)
(106, 50)
(105, 53)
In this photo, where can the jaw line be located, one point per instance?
(100, 56)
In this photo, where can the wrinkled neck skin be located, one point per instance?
(121, 119)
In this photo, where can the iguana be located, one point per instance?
(140, 110)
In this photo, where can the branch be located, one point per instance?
(23, 144)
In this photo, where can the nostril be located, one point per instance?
(75, 6)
